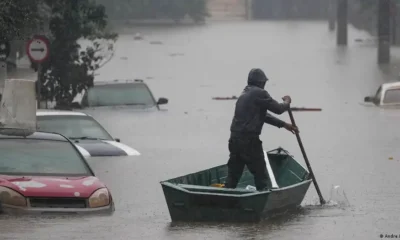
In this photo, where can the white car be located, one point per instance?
(89, 136)
(388, 94)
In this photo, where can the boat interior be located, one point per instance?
(282, 168)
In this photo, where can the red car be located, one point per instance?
(45, 173)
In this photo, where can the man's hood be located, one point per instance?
(257, 78)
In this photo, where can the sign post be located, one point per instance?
(4, 53)
(37, 50)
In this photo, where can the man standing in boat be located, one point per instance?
(245, 146)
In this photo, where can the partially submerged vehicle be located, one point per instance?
(42, 172)
(200, 197)
(89, 136)
(387, 95)
(135, 94)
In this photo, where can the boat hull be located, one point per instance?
(187, 206)
(190, 198)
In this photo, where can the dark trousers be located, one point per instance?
(246, 151)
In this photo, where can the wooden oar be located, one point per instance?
(321, 199)
(301, 109)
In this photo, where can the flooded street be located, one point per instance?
(348, 144)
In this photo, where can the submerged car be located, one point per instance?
(388, 94)
(44, 173)
(132, 93)
(90, 137)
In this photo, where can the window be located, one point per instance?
(392, 96)
(36, 157)
(73, 126)
(119, 94)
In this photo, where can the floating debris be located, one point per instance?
(390, 158)
(365, 40)
(156, 42)
(123, 58)
(176, 54)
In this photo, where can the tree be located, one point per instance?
(71, 67)
(16, 17)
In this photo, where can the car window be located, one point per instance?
(29, 156)
(119, 94)
(73, 126)
(392, 96)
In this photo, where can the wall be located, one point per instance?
(290, 9)
(227, 9)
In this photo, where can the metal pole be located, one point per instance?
(39, 84)
(383, 31)
(3, 74)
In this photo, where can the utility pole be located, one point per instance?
(342, 21)
(384, 31)
(393, 22)
(332, 14)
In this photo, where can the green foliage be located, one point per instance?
(70, 69)
(156, 9)
(16, 16)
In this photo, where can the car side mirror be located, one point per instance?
(162, 101)
(118, 140)
(368, 99)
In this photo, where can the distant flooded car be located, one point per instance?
(90, 137)
(45, 173)
(387, 95)
(133, 93)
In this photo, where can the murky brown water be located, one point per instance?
(348, 144)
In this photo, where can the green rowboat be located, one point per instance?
(192, 198)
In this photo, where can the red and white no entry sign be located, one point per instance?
(38, 49)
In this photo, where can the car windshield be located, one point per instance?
(73, 127)
(40, 157)
(392, 96)
(119, 94)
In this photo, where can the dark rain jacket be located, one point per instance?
(252, 105)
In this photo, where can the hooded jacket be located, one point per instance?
(252, 105)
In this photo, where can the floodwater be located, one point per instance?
(348, 144)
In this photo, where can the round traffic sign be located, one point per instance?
(4, 50)
(38, 49)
